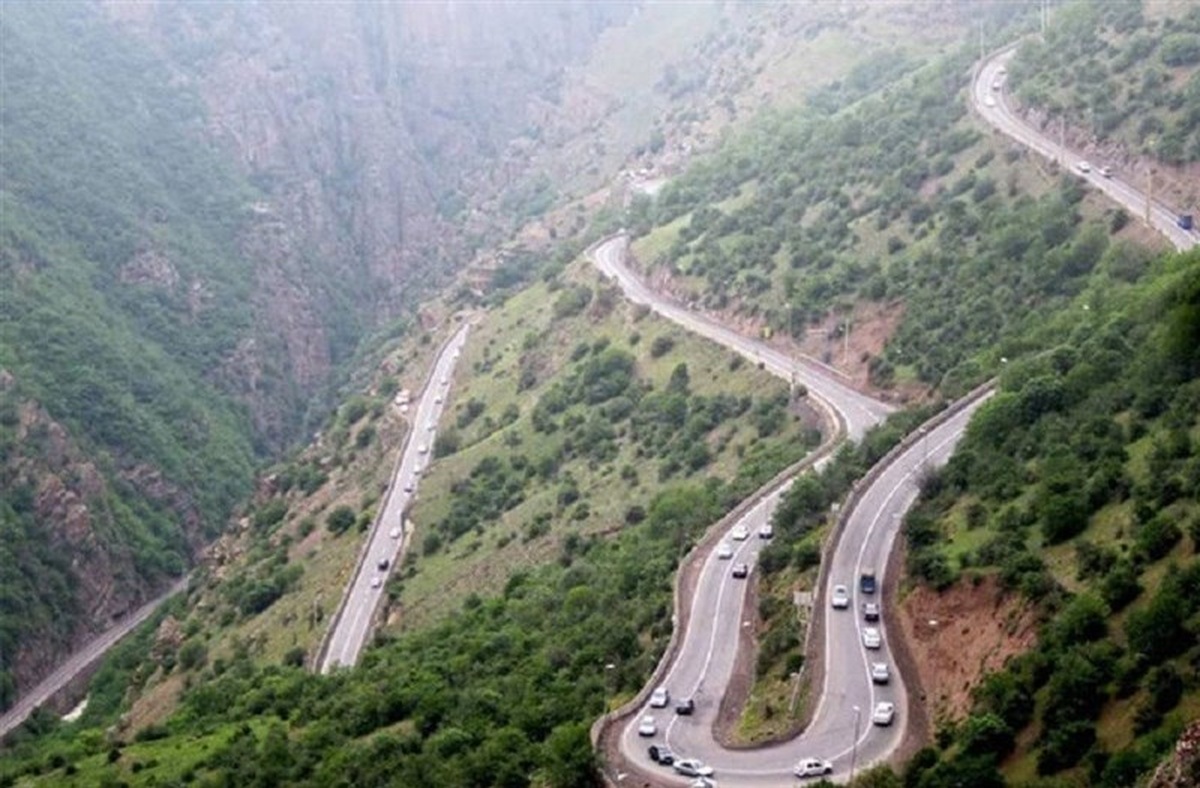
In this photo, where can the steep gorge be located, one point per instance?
(207, 207)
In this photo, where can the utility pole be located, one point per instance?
(1043, 20)
(846, 347)
(1062, 140)
(1149, 191)
(1150, 144)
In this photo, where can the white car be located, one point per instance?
(702, 782)
(989, 101)
(1106, 171)
(724, 550)
(395, 533)
(693, 767)
(739, 534)
(647, 727)
(422, 449)
(1083, 166)
(880, 674)
(840, 598)
(376, 581)
(871, 638)
(660, 698)
(812, 767)
(408, 487)
(885, 712)
(437, 400)
(766, 531)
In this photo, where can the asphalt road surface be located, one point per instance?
(989, 94)
(80, 661)
(389, 536)
(858, 411)
(705, 663)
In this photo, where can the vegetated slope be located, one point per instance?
(124, 305)
(503, 688)
(1125, 79)
(1078, 485)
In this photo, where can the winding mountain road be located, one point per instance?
(703, 666)
(352, 624)
(989, 95)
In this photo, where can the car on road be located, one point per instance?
(866, 581)
(647, 727)
(437, 400)
(741, 571)
(871, 638)
(660, 698)
(739, 533)
(383, 564)
(885, 712)
(422, 449)
(880, 673)
(693, 767)
(870, 611)
(376, 581)
(408, 487)
(989, 101)
(765, 531)
(1083, 166)
(660, 753)
(1106, 171)
(702, 782)
(840, 598)
(685, 707)
(396, 532)
(812, 767)
(724, 550)
(417, 468)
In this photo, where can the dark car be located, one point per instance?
(661, 754)
(741, 570)
(685, 707)
(866, 581)
(383, 564)
(870, 611)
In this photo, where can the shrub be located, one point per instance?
(661, 346)
(340, 519)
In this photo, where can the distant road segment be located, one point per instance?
(352, 625)
(82, 660)
(989, 95)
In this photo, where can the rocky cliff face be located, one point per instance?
(368, 125)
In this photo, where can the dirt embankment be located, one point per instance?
(957, 636)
